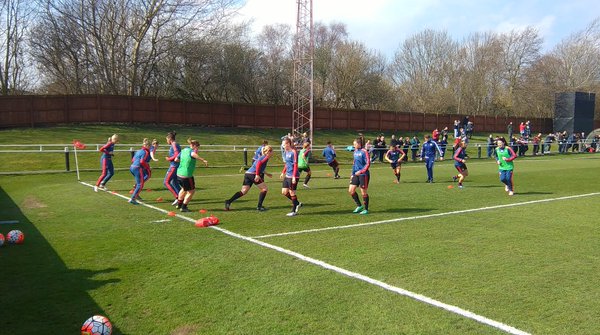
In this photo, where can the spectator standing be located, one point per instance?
(522, 129)
(405, 147)
(469, 129)
(509, 129)
(414, 147)
(536, 144)
(490, 146)
(435, 135)
(394, 141)
(380, 147)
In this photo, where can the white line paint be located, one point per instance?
(428, 215)
(451, 308)
(9, 222)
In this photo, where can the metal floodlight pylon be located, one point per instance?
(302, 119)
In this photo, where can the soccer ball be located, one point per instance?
(15, 237)
(96, 325)
(1, 240)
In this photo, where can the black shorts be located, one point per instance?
(333, 163)
(249, 180)
(360, 180)
(460, 167)
(287, 183)
(395, 165)
(307, 169)
(187, 184)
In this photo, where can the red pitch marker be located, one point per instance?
(171, 214)
(131, 192)
(202, 223)
(113, 192)
(159, 199)
(202, 211)
(450, 186)
(148, 190)
(78, 145)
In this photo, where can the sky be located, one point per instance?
(383, 25)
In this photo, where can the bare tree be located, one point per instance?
(358, 78)
(579, 57)
(521, 49)
(422, 70)
(117, 46)
(274, 44)
(14, 17)
(327, 40)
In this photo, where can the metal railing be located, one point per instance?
(481, 149)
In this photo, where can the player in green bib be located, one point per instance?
(504, 158)
(303, 158)
(185, 174)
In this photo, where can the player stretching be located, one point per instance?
(428, 152)
(303, 158)
(505, 157)
(185, 174)
(360, 177)
(460, 158)
(290, 175)
(108, 170)
(329, 154)
(395, 156)
(170, 181)
(139, 169)
(255, 175)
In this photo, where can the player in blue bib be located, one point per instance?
(360, 177)
(394, 156)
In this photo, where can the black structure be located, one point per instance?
(574, 112)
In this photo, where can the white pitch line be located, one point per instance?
(427, 216)
(419, 297)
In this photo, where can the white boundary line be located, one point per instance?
(451, 308)
(427, 216)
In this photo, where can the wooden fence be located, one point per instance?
(33, 110)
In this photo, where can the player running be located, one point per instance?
(290, 175)
(303, 158)
(504, 158)
(139, 169)
(255, 176)
(185, 174)
(360, 177)
(395, 156)
(170, 181)
(108, 169)
(460, 158)
(329, 154)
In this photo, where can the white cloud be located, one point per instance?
(385, 24)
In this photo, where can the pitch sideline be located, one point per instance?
(436, 303)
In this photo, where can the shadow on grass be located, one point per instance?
(533, 193)
(39, 292)
(375, 210)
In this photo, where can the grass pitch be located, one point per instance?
(529, 261)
